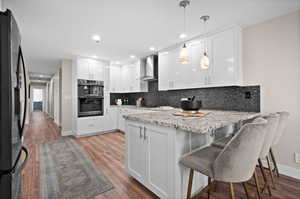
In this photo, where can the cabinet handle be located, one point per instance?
(145, 137)
(141, 132)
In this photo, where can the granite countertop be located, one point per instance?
(134, 107)
(213, 120)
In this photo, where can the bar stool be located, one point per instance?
(283, 117)
(233, 164)
(273, 121)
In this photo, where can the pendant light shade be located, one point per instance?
(204, 62)
(183, 56)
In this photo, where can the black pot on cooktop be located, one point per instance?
(190, 104)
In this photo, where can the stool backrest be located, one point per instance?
(273, 121)
(237, 161)
(281, 126)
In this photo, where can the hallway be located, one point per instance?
(107, 151)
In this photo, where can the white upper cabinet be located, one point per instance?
(115, 78)
(226, 58)
(225, 69)
(90, 69)
(83, 69)
(127, 78)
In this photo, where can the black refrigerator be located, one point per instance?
(13, 102)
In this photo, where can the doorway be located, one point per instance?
(38, 96)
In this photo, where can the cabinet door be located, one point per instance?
(121, 120)
(112, 118)
(224, 48)
(82, 69)
(166, 77)
(136, 152)
(125, 75)
(114, 79)
(198, 76)
(132, 78)
(96, 70)
(158, 161)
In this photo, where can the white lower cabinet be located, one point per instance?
(137, 152)
(158, 161)
(149, 154)
(92, 125)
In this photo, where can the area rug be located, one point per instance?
(66, 172)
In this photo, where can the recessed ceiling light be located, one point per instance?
(152, 48)
(96, 38)
(182, 36)
(132, 56)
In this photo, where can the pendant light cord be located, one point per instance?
(205, 37)
(184, 21)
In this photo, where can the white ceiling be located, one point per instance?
(56, 29)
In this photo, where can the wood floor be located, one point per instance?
(107, 151)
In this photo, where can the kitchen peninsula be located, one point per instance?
(155, 141)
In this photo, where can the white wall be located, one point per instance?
(66, 97)
(271, 52)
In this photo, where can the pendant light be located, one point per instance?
(183, 55)
(204, 62)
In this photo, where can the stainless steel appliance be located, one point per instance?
(13, 101)
(150, 68)
(90, 98)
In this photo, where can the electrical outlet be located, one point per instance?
(248, 95)
(297, 157)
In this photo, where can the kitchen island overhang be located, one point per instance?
(156, 141)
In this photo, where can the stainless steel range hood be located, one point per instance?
(150, 68)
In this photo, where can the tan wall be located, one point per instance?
(66, 97)
(271, 52)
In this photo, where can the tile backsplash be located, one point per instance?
(245, 98)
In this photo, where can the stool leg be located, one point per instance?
(189, 190)
(271, 172)
(209, 187)
(257, 184)
(274, 161)
(232, 196)
(246, 190)
(264, 176)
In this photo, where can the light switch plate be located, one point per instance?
(297, 157)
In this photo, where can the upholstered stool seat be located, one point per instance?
(202, 160)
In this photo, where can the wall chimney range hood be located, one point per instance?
(150, 68)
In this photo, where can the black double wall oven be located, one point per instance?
(90, 97)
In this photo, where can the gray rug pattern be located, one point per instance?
(66, 172)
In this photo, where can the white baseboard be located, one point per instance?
(81, 135)
(286, 170)
(66, 133)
